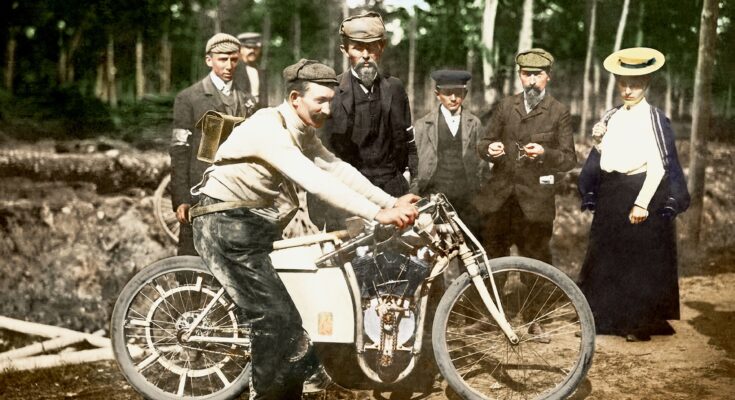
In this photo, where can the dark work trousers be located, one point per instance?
(185, 247)
(508, 226)
(235, 245)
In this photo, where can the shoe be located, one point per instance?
(319, 381)
(538, 334)
(637, 337)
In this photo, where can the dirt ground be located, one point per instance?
(66, 250)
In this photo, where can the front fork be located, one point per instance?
(469, 259)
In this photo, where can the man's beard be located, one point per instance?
(367, 73)
(533, 96)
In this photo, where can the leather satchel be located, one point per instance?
(216, 128)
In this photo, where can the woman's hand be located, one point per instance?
(598, 131)
(637, 215)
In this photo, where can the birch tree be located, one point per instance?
(488, 36)
(701, 114)
(587, 67)
(139, 71)
(525, 37)
(618, 43)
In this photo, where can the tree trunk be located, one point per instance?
(333, 55)
(525, 37)
(412, 56)
(728, 104)
(61, 63)
(345, 14)
(9, 72)
(111, 72)
(618, 43)
(296, 29)
(488, 37)
(668, 101)
(139, 71)
(641, 20)
(164, 70)
(266, 40)
(701, 114)
(596, 103)
(585, 113)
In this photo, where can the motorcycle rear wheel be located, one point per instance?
(477, 359)
(153, 311)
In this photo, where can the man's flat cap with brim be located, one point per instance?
(366, 27)
(634, 61)
(535, 60)
(311, 71)
(222, 43)
(250, 39)
(451, 79)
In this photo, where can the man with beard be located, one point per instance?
(371, 124)
(529, 141)
(249, 76)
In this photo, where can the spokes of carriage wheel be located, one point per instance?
(163, 311)
(162, 208)
(546, 322)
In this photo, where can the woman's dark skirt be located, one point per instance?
(629, 275)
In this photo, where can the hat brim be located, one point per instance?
(452, 86)
(613, 63)
(364, 40)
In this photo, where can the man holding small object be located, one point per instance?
(529, 141)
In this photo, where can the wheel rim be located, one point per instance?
(154, 326)
(163, 209)
(489, 364)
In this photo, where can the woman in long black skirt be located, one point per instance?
(634, 184)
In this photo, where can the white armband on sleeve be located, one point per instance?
(180, 137)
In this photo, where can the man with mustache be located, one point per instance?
(371, 124)
(529, 141)
(249, 194)
(249, 76)
(215, 92)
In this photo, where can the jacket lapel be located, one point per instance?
(211, 95)
(345, 92)
(386, 95)
(432, 130)
(467, 140)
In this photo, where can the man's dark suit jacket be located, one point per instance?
(242, 80)
(549, 125)
(395, 121)
(189, 106)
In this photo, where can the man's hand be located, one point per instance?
(533, 150)
(637, 215)
(182, 213)
(406, 200)
(496, 149)
(400, 216)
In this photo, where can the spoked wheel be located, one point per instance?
(547, 311)
(157, 349)
(165, 215)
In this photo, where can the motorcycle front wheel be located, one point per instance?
(151, 316)
(546, 310)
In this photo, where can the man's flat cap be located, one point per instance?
(222, 43)
(366, 27)
(252, 39)
(450, 79)
(535, 60)
(310, 70)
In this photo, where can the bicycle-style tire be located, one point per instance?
(162, 209)
(477, 359)
(150, 314)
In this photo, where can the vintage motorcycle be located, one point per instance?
(505, 328)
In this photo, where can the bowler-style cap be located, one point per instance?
(311, 71)
(366, 27)
(222, 43)
(450, 79)
(535, 60)
(250, 39)
(634, 61)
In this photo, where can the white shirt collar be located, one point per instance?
(222, 86)
(452, 119)
(641, 107)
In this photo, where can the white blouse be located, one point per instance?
(629, 147)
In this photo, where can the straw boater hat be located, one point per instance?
(634, 61)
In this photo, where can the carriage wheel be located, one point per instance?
(162, 208)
